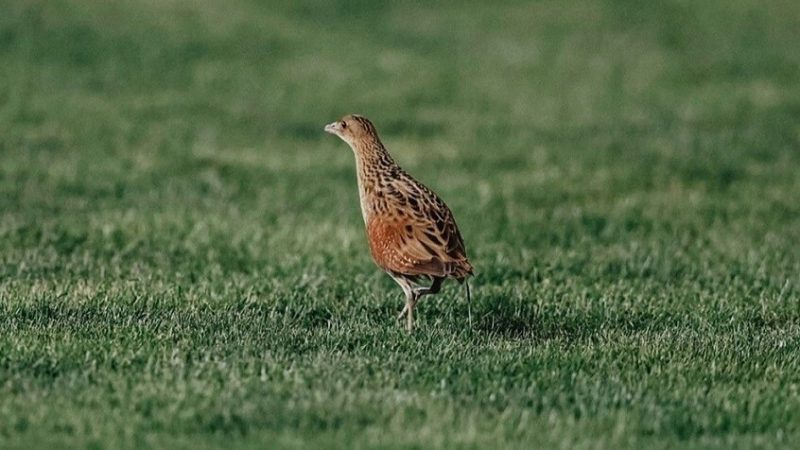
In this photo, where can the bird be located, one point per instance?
(411, 232)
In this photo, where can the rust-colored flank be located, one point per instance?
(412, 234)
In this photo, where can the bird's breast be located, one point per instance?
(371, 198)
(373, 203)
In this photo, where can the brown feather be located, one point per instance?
(411, 231)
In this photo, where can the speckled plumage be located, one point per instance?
(412, 233)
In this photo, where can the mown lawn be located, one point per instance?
(183, 262)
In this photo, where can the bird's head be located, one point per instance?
(353, 129)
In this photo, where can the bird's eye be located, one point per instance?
(344, 124)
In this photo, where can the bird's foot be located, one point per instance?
(402, 313)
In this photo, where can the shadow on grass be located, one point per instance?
(545, 322)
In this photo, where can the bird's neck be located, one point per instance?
(372, 157)
(373, 163)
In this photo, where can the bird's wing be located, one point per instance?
(418, 235)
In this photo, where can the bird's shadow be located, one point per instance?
(539, 323)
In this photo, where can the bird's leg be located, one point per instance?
(413, 295)
(413, 298)
(403, 312)
(410, 302)
(434, 288)
(408, 290)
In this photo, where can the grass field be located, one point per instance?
(183, 262)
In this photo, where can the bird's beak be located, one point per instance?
(332, 128)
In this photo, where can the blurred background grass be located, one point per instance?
(182, 260)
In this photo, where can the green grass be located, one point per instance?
(183, 263)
